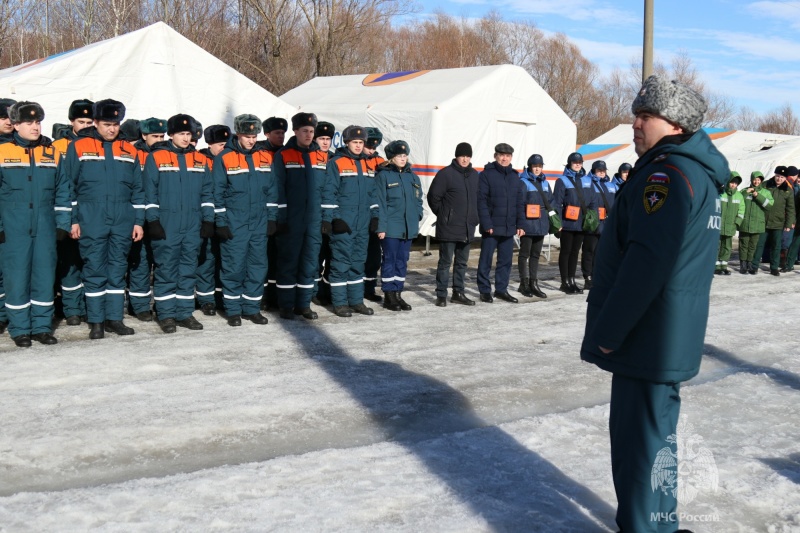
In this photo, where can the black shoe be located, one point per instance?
(587, 283)
(208, 309)
(118, 327)
(567, 288)
(362, 309)
(234, 321)
(726, 272)
(536, 290)
(441, 301)
(525, 288)
(145, 316)
(505, 297)
(753, 270)
(486, 298)
(168, 325)
(189, 322)
(97, 331)
(459, 297)
(404, 306)
(787, 269)
(256, 318)
(74, 320)
(23, 341)
(743, 267)
(44, 338)
(287, 314)
(306, 313)
(575, 288)
(342, 311)
(3, 326)
(774, 272)
(373, 298)
(390, 301)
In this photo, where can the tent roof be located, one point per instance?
(154, 71)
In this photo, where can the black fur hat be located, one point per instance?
(374, 138)
(108, 111)
(397, 148)
(130, 131)
(324, 129)
(5, 103)
(275, 123)
(246, 124)
(354, 133)
(80, 109)
(197, 130)
(25, 112)
(180, 123)
(152, 125)
(303, 119)
(217, 134)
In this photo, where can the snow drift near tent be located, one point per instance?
(155, 72)
(434, 110)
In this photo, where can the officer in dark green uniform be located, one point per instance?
(653, 276)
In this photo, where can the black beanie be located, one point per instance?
(463, 149)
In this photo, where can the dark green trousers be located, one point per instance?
(643, 415)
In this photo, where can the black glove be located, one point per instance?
(2, 237)
(224, 233)
(60, 234)
(327, 228)
(373, 225)
(272, 228)
(283, 228)
(557, 234)
(340, 226)
(156, 231)
(207, 230)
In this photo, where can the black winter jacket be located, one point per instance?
(500, 200)
(453, 198)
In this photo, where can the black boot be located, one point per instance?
(306, 313)
(189, 322)
(168, 325)
(575, 288)
(97, 331)
(256, 318)
(403, 304)
(44, 338)
(536, 291)
(390, 301)
(234, 321)
(372, 297)
(742, 267)
(74, 320)
(459, 297)
(208, 309)
(23, 341)
(3, 326)
(525, 287)
(566, 287)
(587, 283)
(361, 309)
(441, 301)
(342, 311)
(118, 327)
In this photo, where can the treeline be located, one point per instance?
(280, 44)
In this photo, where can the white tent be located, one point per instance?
(434, 110)
(154, 71)
(746, 151)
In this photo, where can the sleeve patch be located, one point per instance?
(658, 177)
(654, 198)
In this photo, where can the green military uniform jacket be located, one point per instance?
(755, 208)
(650, 293)
(781, 214)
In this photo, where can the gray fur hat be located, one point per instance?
(247, 124)
(672, 100)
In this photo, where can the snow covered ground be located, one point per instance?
(442, 419)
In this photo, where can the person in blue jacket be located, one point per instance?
(245, 203)
(622, 174)
(648, 309)
(605, 190)
(571, 203)
(399, 193)
(349, 213)
(535, 223)
(300, 170)
(34, 211)
(107, 213)
(179, 211)
(499, 210)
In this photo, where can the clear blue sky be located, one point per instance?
(747, 50)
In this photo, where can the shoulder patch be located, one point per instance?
(654, 197)
(658, 177)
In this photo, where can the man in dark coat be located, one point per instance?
(648, 308)
(453, 198)
(500, 209)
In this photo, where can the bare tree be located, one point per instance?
(746, 119)
(781, 120)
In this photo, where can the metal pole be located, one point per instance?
(647, 48)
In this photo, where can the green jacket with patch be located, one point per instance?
(732, 211)
(756, 203)
(651, 271)
(781, 214)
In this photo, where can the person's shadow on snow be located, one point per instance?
(507, 484)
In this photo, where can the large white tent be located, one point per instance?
(155, 72)
(746, 151)
(434, 110)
